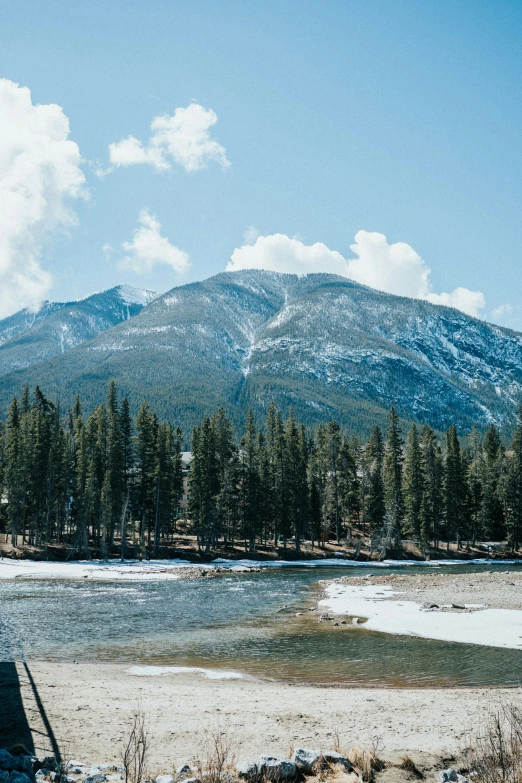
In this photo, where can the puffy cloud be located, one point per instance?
(183, 138)
(280, 253)
(148, 248)
(39, 172)
(507, 315)
(471, 302)
(395, 268)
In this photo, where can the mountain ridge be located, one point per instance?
(29, 337)
(322, 344)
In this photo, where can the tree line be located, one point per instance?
(110, 479)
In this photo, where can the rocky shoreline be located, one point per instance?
(358, 766)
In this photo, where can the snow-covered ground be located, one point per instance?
(489, 627)
(171, 569)
(94, 569)
(162, 671)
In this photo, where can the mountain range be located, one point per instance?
(29, 337)
(322, 344)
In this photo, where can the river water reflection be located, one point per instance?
(259, 624)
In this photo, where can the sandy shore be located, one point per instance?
(88, 708)
(493, 589)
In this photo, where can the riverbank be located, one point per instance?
(183, 546)
(88, 707)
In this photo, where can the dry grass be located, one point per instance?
(367, 761)
(494, 754)
(408, 765)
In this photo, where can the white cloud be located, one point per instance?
(280, 253)
(471, 302)
(507, 315)
(395, 268)
(39, 172)
(148, 248)
(183, 138)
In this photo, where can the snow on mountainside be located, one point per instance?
(27, 338)
(326, 346)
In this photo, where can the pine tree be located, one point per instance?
(116, 469)
(249, 482)
(454, 488)
(431, 471)
(329, 450)
(513, 489)
(13, 476)
(374, 508)
(392, 471)
(146, 442)
(275, 444)
(348, 482)
(413, 481)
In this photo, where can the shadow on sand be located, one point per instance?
(23, 719)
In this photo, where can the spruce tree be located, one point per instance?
(513, 488)
(431, 470)
(392, 471)
(413, 481)
(374, 508)
(13, 475)
(454, 488)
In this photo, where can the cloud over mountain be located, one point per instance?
(394, 268)
(149, 248)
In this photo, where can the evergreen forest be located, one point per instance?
(111, 480)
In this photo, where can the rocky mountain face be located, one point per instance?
(28, 338)
(326, 346)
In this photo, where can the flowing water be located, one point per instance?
(257, 623)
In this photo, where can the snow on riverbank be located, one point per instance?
(488, 627)
(158, 570)
(162, 671)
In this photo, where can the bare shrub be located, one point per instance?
(494, 754)
(217, 758)
(135, 748)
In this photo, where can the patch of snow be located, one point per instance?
(141, 296)
(162, 671)
(487, 627)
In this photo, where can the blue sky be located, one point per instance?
(402, 119)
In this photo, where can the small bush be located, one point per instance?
(217, 758)
(494, 754)
(135, 748)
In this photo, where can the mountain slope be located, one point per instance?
(320, 343)
(27, 338)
